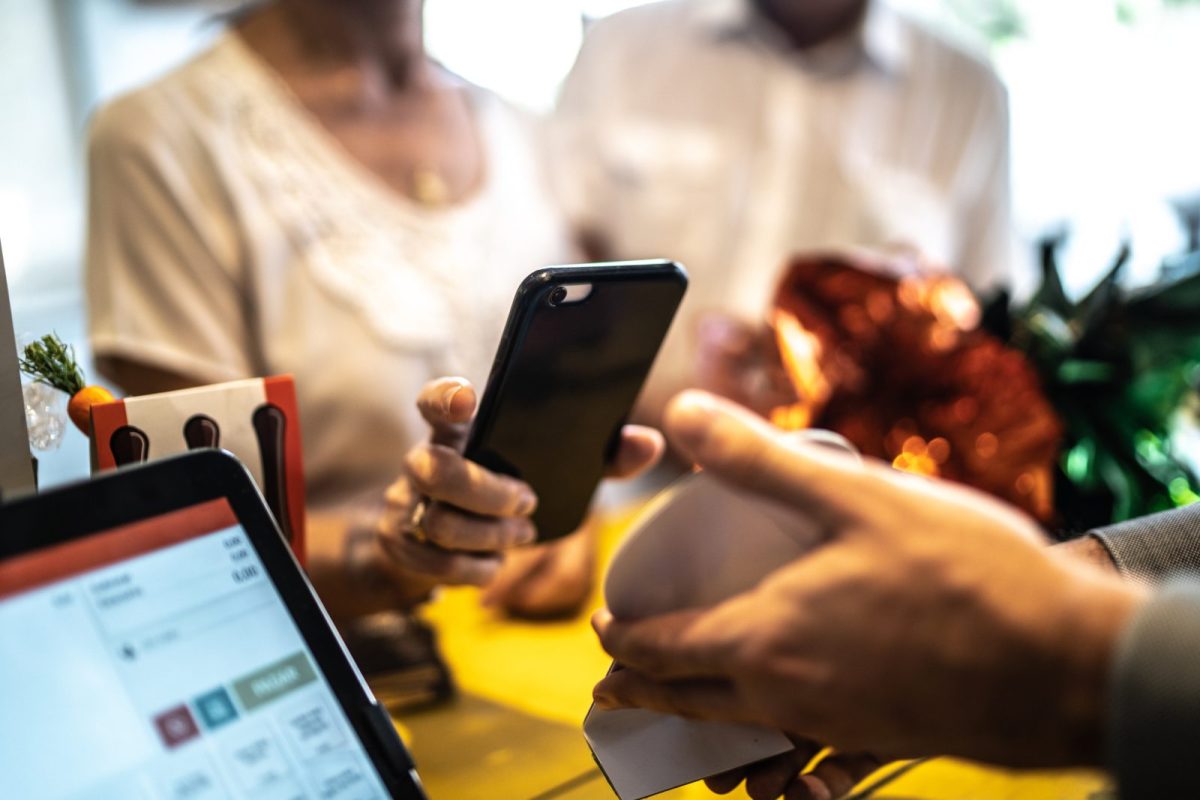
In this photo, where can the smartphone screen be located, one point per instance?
(577, 348)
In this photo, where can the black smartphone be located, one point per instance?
(578, 345)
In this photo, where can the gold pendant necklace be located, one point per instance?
(429, 187)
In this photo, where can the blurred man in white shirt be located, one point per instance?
(729, 134)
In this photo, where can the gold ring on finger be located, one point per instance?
(415, 529)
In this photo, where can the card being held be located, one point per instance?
(696, 544)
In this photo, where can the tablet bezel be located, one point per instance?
(135, 493)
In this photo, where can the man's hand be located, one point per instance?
(785, 775)
(741, 362)
(932, 621)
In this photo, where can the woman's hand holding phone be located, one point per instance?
(450, 521)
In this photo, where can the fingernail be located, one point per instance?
(603, 699)
(526, 502)
(448, 400)
(691, 414)
(526, 536)
(601, 619)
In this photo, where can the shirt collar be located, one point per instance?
(880, 37)
(884, 38)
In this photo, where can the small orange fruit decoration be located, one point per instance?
(53, 363)
(892, 358)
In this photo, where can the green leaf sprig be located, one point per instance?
(52, 362)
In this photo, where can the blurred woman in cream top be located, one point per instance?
(314, 196)
(231, 236)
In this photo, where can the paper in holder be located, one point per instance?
(255, 419)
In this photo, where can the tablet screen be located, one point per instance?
(158, 660)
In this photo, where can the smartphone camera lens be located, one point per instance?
(557, 295)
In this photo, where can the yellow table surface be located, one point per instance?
(525, 686)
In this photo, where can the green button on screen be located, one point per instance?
(273, 681)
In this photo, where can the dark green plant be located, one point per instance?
(51, 361)
(1122, 369)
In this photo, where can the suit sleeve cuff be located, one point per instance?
(1154, 721)
(1155, 547)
